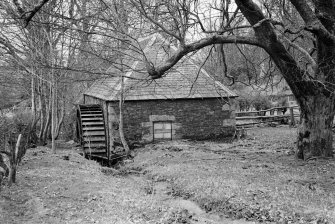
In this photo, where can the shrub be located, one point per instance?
(261, 103)
(258, 102)
(68, 129)
(244, 104)
(10, 128)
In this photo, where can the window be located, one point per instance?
(162, 130)
(291, 98)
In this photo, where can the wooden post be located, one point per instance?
(292, 124)
(107, 132)
(111, 117)
(279, 112)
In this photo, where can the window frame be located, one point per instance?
(163, 122)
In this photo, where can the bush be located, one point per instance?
(257, 102)
(261, 103)
(4, 129)
(11, 127)
(10, 130)
(68, 129)
(244, 104)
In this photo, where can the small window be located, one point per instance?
(291, 98)
(163, 130)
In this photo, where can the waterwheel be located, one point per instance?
(91, 130)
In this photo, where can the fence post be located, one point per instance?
(292, 117)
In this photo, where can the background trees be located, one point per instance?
(60, 48)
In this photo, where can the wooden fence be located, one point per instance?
(276, 114)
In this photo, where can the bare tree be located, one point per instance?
(63, 47)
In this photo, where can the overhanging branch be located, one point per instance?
(32, 12)
(28, 15)
(301, 50)
(158, 72)
(313, 24)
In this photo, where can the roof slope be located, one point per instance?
(184, 80)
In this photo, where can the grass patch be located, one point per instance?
(257, 178)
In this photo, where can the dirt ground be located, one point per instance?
(248, 181)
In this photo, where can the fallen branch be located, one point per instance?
(218, 158)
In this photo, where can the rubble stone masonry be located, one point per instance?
(191, 118)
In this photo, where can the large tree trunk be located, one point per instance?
(315, 136)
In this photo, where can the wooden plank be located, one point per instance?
(261, 117)
(95, 145)
(97, 114)
(92, 123)
(94, 139)
(91, 152)
(91, 119)
(99, 156)
(91, 115)
(92, 110)
(238, 114)
(94, 133)
(90, 128)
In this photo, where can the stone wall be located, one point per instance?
(190, 118)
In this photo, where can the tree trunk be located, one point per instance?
(41, 109)
(315, 136)
(33, 97)
(46, 128)
(53, 116)
(123, 139)
(60, 121)
(14, 161)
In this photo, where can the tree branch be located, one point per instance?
(18, 7)
(158, 72)
(28, 15)
(34, 11)
(301, 50)
(152, 20)
(313, 24)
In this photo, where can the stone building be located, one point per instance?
(186, 103)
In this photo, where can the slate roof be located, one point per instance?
(185, 80)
